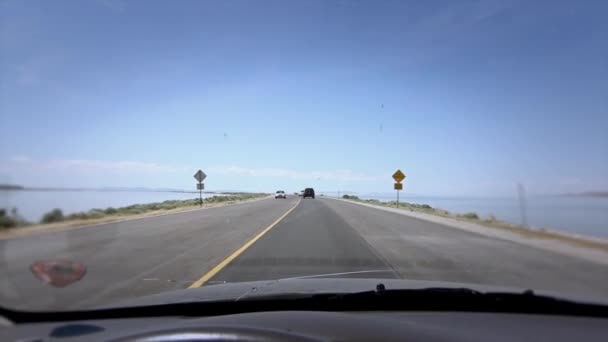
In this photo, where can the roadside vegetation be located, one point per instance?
(12, 219)
(427, 209)
(404, 205)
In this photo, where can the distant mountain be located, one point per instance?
(11, 187)
(107, 188)
(139, 188)
(595, 193)
(589, 194)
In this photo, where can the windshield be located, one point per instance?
(142, 143)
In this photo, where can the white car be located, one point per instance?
(280, 194)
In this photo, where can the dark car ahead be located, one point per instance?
(309, 192)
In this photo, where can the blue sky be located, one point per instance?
(466, 97)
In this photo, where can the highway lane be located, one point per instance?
(312, 240)
(132, 258)
(327, 236)
(317, 237)
(418, 249)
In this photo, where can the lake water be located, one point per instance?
(31, 205)
(580, 215)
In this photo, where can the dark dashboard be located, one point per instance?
(322, 326)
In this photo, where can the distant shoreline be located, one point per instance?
(600, 194)
(15, 187)
(12, 226)
(22, 188)
(11, 187)
(113, 190)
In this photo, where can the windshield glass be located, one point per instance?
(142, 143)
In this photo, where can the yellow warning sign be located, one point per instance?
(398, 176)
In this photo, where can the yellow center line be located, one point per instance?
(238, 252)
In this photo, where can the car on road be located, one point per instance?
(280, 194)
(301, 193)
(309, 192)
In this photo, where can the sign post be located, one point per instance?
(398, 176)
(200, 177)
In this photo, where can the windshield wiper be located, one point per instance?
(460, 299)
(381, 299)
(444, 299)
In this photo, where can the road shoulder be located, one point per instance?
(563, 244)
(37, 229)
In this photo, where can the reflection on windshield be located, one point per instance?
(58, 273)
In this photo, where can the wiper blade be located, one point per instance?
(460, 299)
(441, 299)
(382, 299)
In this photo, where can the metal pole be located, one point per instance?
(397, 198)
(521, 191)
(200, 192)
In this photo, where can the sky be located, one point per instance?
(467, 98)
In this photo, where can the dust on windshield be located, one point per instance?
(142, 143)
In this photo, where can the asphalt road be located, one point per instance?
(320, 237)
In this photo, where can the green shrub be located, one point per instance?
(110, 211)
(471, 216)
(78, 216)
(133, 211)
(350, 197)
(7, 221)
(11, 219)
(55, 215)
(95, 213)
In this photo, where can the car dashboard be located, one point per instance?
(321, 326)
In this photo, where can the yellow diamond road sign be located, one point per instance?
(398, 176)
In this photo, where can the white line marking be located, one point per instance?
(336, 274)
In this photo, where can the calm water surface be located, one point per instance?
(580, 215)
(33, 204)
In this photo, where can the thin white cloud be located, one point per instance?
(117, 6)
(85, 165)
(344, 175)
(20, 159)
(35, 70)
(114, 166)
(17, 163)
(27, 74)
(570, 181)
